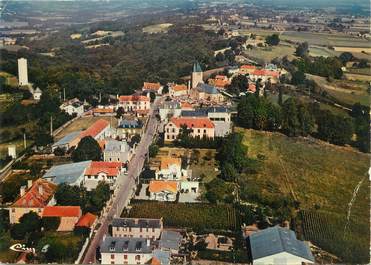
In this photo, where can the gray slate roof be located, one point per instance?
(125, 245)
(275, 240)
(68, 138)
(194, 113)
(136, 222)
(67, 173)
(207, 88)
(129, 124)
(170, 240)
(115, 146)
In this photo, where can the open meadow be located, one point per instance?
(322, 178)
(345, 91)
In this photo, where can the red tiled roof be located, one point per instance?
(87, 220)
(95, 129)
(93, 171)
(110, 168)
(161, 185)
(101, 110)
(38, 195)
(221, 83)
(62, 211)
(105, 164)
(186, 105)
(264, 72)
(179, 87)
(192, 122)
(151, 86)
(142, 111)
(222, 77)
(247, 66)
(133, 98)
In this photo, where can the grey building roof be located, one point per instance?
(129, 124)
(207, 88)
(68, 138)
(162, 256)
(136, 222)
(170, 240)
(217, 109)
(125, 245)
(194, 113)
(197, 67)
(67, 173)
(116, 146)
(275, 240)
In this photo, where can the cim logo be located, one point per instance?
(22, 248)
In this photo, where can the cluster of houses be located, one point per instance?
(38, 197)
(139, 241)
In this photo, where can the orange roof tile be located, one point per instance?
(103, 110)
(133, 98)
(160, 185)
(95, 129)
(155, 261)
(87, 220)
(247, 66)
(179, 87)
(62, 211)
(102, 143)
(186, 105)
(38, 195)
(221, 83)
(151, 86)
(105, 164)
(93, 171)
(166, 161)
(264, 72)
(192, 122)
(110, 168)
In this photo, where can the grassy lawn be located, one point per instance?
(158, 28)
(319, 175)
(322, 39)
(267, 54)
(83, 123)
(345, 91)
(197, 216)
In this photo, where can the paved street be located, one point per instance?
(126, 184)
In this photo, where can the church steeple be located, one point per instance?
(197, 68)
(197, 75)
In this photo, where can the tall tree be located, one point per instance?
(290, 122)
(87, 149)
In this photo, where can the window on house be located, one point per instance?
(204, 130)
(125, 256)
(168, 137)
(112, 262)
(112, 256)
(173, 137)
(137, 257)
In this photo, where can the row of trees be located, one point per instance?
(295, 118)
(186, 140)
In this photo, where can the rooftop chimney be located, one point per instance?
(29, 183)
(22, 191)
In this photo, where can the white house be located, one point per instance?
(117, 151)
(134, 103)
(98, 171)
(169, 108)
(163, 190)
(73, 106)
(170, 169)
(126, 250)
(37, 93)
(277, 245)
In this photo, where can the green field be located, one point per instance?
(196, 216)
(345, 91)
(318, 175)
(267, 54)
(322, 39)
